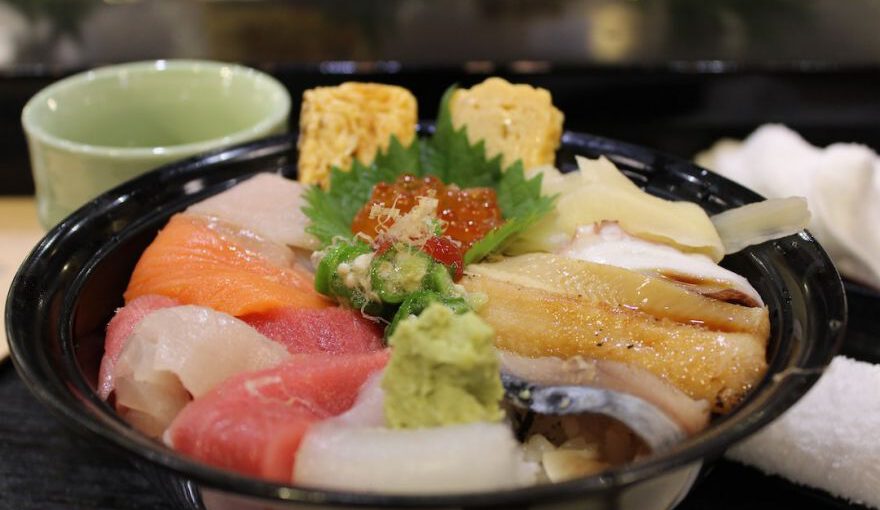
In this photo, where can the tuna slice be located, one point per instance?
(120, 327)
(338, 330)
(176, 354)
(356, 452)
(254, 422)
(197, 261)
(267, 204)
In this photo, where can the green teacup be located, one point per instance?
(94, 130)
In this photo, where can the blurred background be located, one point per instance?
(672, 74)
(675, 75)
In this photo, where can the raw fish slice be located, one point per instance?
(253, 423)
(334, 329)
(195, 264)
(267, 204)
(692, 415)
(250, 242)
(118, 330)
(368, 410)
(176, 354)
(717, 366)
(622, 288)
(453, 459)
(356, 451)
(607, 243)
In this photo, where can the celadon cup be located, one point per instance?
(94, 130)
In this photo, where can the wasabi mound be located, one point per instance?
(443, 371)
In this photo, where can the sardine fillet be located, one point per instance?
(718, 366)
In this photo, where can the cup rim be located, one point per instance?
(261, 128)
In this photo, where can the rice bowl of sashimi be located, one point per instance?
(263, 327)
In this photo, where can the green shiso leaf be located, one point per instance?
(447, 155)
(521, 204)
(450, 157)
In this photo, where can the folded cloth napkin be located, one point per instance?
(840, 182)
(830, 439)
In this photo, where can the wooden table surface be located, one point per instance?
(19, 232)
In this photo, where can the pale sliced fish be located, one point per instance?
(176, 354)
(266, 204)
(254, 244)
(607, 243)
(355, 451)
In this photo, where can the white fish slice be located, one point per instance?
(176, 354)
(453, 459)
(266, 204)
(356, 451)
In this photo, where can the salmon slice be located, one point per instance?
(253, 423)
(194, 263)
(334, 329)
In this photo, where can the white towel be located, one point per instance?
(841, 183)
(830, 439)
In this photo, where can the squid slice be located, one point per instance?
(607, 243)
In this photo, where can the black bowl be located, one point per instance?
(68, 288)
(863, 326)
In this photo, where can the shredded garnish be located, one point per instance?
(413, 228)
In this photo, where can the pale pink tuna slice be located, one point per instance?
(253, 423)
(118, 331)
(176, 354)
(337, 330)
(266, 204)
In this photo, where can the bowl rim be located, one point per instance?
(276, 117)
(781, 392)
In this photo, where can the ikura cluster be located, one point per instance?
(466, 214)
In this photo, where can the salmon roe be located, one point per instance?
(469, 213)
